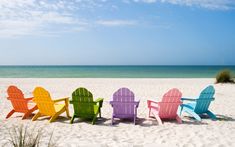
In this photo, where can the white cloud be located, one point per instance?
(116, 22)
(146, 1)
(34, 17)
(208, 4)
(43, 17)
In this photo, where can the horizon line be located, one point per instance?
(120, 65)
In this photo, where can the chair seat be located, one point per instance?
(59, 107)
(124, 115)
(31, 105)
(155, 110)
(191, 105)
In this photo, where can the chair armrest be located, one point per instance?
(149, 103)
(29, 99)
(66, 100)
(137, 105)
(61, 99)
(188, 99)
(134, 103)
(100, 101)
(187, 106)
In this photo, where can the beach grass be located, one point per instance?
(225, 76)
(23, 136)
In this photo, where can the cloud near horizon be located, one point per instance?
(43, 17)
(113, 23)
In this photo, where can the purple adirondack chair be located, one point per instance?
(124, 104)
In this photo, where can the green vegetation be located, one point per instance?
(23, 137)
(224, 76)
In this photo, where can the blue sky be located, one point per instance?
(117, 32)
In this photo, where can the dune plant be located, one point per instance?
(23, 137)
(224, 76)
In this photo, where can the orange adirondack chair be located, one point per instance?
(19, 102)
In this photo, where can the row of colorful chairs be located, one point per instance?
(123, 104)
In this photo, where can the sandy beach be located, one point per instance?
(146, 133)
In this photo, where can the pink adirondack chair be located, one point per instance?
(167, 108)
(124, 104)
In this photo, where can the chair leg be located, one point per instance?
(72, 119)
(36, 116)
(57, 114)
(179, 120)
(149, 112)
(134, 120)
(10, 113)
(27, 114)
(195, 115)
(191, 112)
(94, 118)
(157, 118)
(211, 115)
(54, 117)
(99, 113)
(179, 111)
(67, 112)
(112, 120)
(154, 113)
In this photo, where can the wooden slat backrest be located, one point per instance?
(82, 100)
(170, 103)
(44, 102)
(126, 99)
(17, 99)
(204, 100)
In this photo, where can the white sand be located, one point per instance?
(146, 132)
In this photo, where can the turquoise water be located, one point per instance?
(111, 71)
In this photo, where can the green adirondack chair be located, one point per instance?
(84, 106)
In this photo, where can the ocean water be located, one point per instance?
(111, 71)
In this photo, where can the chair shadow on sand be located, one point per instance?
(148, 122)
(143, 122)
(108, 122)
(224, 118)
(61, 119)
(124, 121)
(186, 120)
(20, 116)
(191, 120)
(100, 121)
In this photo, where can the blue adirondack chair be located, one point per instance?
(200, 105)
